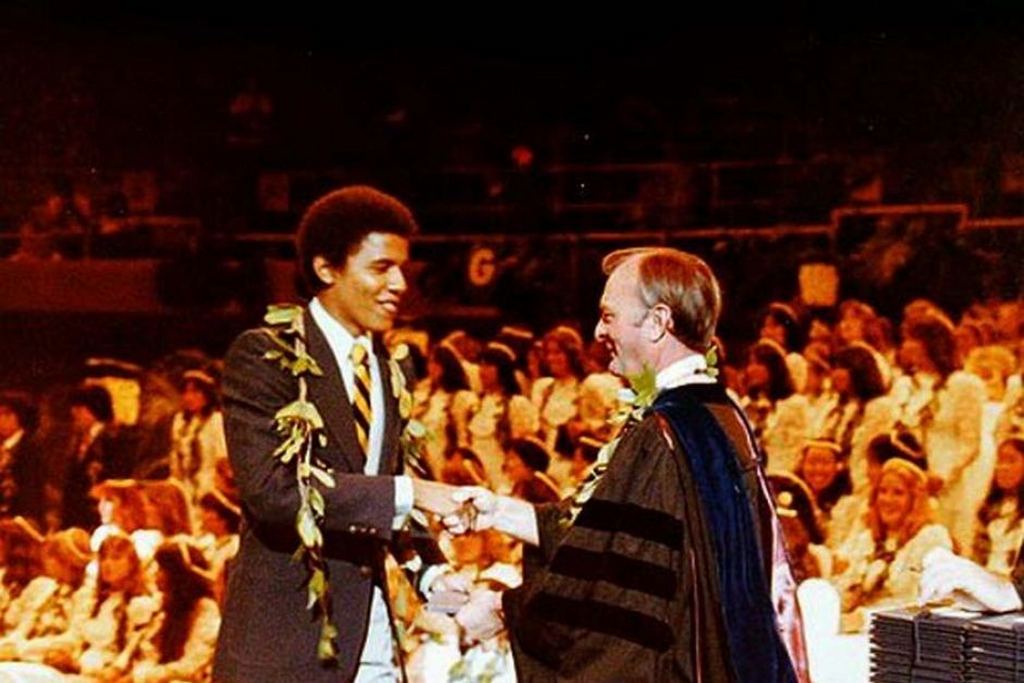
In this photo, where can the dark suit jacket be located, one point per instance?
(29, 477)
(267, 633)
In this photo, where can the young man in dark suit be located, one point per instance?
(352, 247)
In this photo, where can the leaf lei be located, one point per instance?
(302, 427)
(640, 395)
(711, 358)
(634, 402)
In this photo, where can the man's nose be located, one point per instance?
(396, 281)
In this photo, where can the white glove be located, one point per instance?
(481, 617)
(972, 586)
(479, 510)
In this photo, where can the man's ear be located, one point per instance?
(660, 321)
(324, 270)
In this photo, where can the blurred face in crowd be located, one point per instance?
(815, 383)
(489, 377)
(514, 468)
(995, 381)
(841, 381)
(820, 467)
(107, 509)
(774, 330)
(556, 360)
(434, 370)
(756, 375)
(967, 340)
(9, 424)
(193, 400)
(116, 568)
(623, 324)
(850, 329)
(533, 358)
(55, 564)
(913, 356)
(363, 294)
(893, 500)
(1009, 466)
(82, 418)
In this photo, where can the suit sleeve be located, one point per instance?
(254, 390)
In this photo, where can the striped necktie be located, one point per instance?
(361, 410)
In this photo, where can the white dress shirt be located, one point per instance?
(376, 663)
(689, 370)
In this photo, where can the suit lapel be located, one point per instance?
(328, 393)
(389, 444)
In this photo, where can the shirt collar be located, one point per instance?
(338, 337)
(689, 370)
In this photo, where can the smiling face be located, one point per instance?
(893, 500)
(622, 327)
(363, 294)
(557, 360)
(820, 467)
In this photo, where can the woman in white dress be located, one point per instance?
(221, 519)
(499, 414)
(993, 365)
(779, 415)
(945, 405)
(556, 394)
(197, 433)
(179, 644)
(884, 566)
(124, 609)
(781, 324)
(21, 544)
(44, 622)
(1001, 518)
(849, 514)
(859, 409)
(442, 400)
(125, 509)
(823, 467)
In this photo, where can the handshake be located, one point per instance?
(462, 510)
